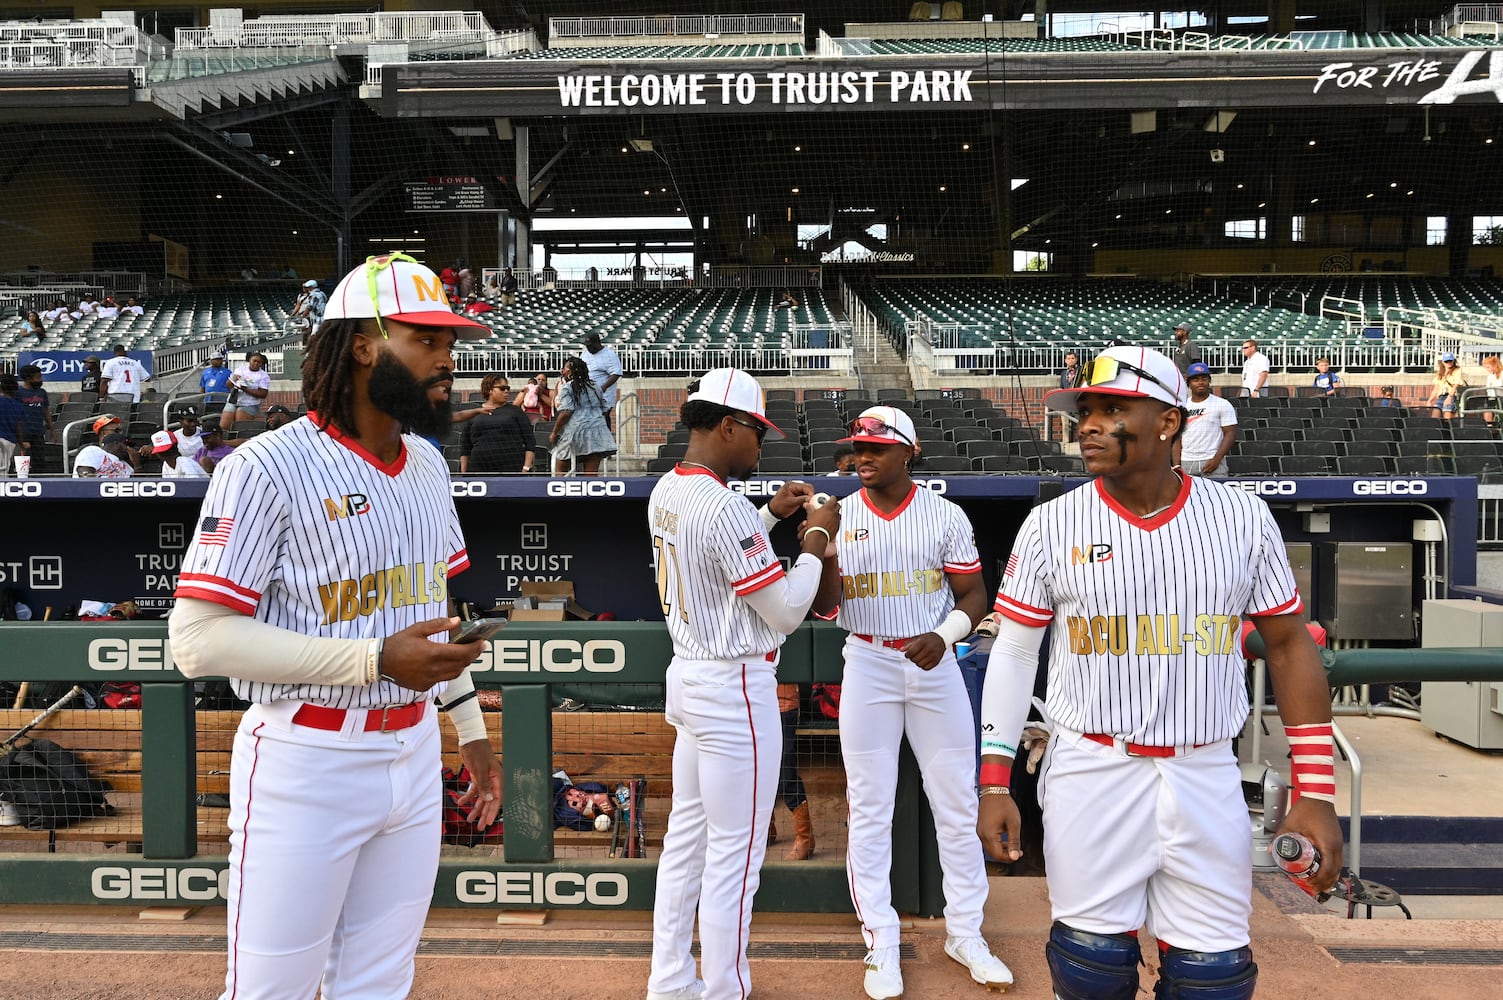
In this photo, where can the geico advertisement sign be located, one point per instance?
(20, 488)
(586, 488)
(552, 656)
(137, 488)
(551, 888)
(200, 885)
(768, 487)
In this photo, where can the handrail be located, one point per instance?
(676, 25)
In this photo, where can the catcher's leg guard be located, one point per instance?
(1206, 975)
(1086, 966)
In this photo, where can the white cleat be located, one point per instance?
(984, 967)
(694, 991)
(884, 979)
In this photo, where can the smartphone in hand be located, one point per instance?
(478, 629)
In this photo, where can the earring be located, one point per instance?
(1163, 437)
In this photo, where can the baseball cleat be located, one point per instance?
(984, 967)
(694, 991)
(884, 979)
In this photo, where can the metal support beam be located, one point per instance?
(522, 250)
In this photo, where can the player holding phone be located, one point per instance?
(318, 581)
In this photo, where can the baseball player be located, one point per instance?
(318, 581)
(905, 581)
(1146, 575)
(729, 605)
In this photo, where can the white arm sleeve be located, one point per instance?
(1008, 691)
(210, 640)
(784, 604)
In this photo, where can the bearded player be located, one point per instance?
(317, 580)
(1144, 820)
(905, 581)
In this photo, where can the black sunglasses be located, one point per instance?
(761, 429)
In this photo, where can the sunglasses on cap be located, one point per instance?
(1102, 370)
(373, 267)
(877, 427)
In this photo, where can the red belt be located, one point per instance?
(382, 720)
(1135, 749)
(889, 643)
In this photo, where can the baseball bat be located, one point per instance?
(46, 713)
(25, 688)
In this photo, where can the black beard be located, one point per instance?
(396, 392)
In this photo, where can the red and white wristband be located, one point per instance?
(1312, 755)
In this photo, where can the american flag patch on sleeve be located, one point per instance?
(1012, 565)
(215, 531)
(753, 546)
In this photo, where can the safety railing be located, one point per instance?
(670, 25)
(294, 31)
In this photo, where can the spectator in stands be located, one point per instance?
(605, 369)
(474, 305)
(13, 416)
(580, 435)
(38, 407)
(1326, 381)
(249, 386)
(1210, 429)
(1385, 396)
(214, 381)
(92, 383)
(189, 439)
(32, 326)
(124, 377)
(308, 310)
(786, 301)
(278, 416)
(110, 458)
(1494, 369)
(174, 465)
(248, 273)
(132, 308)
(57, 312)
(87, 305)
(450, 279)
(508, 288)
(1449, 381)
(537, 398)
(215, 447)
(845, 461)
(466, 281)
(498, 438)
(289, 273)
(108, 309)
(1070, 372)
(1255, 368)
(1185, 353)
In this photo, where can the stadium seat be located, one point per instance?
(983, 449)
(1305, 465)
(773, 466)
(1265, 449)
(674, 451)
(1248, 465)
(1362, 465)
(1477, 465)
(946, 464)
(1001, 464)
(1065, 465)
(658, 466)
(969, 433)
(1373, 449)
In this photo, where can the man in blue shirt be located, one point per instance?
(12, 419)
(214, 383)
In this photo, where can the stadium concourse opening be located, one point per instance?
(868, 204)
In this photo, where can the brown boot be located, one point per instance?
(772, 828)
(803, 835)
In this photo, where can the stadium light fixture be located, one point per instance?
(1311, 142)
(965, 146)
(798, 149)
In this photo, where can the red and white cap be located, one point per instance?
(396, 287)
(736, 389)
(883, 425)
(163, 441)
(1163, 380)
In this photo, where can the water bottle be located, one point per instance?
(1297, 857)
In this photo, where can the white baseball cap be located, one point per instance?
(883, 425)
(1125, 371)
(163, 441)
(736, 389)
(405, 291)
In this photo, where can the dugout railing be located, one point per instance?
(173, 867)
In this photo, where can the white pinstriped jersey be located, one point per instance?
(710, 548)
(893, 566)
(1147, 614)
(305, 530)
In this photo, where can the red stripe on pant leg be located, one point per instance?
(250, 788)
(850, 877)
(751, 837)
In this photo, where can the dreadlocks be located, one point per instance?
(328, 374)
